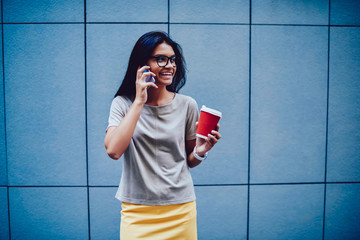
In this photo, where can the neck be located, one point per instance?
(159, 96)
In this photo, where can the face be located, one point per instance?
(164, 74)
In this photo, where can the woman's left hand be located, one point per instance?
(204, 145)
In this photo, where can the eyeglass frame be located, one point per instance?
(167, 61)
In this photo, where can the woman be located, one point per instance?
(155, 128)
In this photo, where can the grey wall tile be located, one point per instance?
(286, 211)
(127, 11)
(104, 213)
(48, 213)
(290, 12)
(4, 219)
(45, 104)
(18, 11)
(344, 105)
(205, 11)
(288, 106)
(345, 12)
(3, 169)
(342, 211)
(221, 212)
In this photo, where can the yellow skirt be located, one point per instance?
(158, 222)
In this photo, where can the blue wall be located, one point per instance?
(284, 73)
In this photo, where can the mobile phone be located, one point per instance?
(149, 78)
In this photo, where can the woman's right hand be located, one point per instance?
(142, 85)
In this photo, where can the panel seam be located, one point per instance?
(5, 133)
(249, 127)
(327, 121)
(86, 127)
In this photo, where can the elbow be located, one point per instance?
(111, 151)
(112, 154)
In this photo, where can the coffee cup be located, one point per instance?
(208, 120)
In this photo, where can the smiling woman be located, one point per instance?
(154, 127)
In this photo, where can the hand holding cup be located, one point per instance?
(207, 129)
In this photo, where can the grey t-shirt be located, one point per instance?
(155, 170)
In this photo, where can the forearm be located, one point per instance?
(118, 140)
(192, 161)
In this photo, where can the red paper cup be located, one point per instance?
(208, 120)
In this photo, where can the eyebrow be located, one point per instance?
(162, 55)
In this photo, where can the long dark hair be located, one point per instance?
(142, 52)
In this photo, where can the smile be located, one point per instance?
(166, 74)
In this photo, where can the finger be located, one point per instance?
(212, 139)
(151, 84)
(196, 124)
(140, 71)
(143, 68)
(145, 78)
(217, 127)
(145, 74)
(216, 134)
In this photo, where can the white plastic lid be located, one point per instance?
(210, 110)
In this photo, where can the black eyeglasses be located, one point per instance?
(162, 60)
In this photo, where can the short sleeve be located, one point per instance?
(118, 110)
(191, 119)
